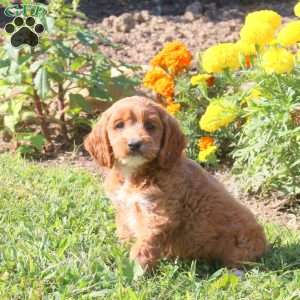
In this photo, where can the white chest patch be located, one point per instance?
(125, 197)
(130, 202)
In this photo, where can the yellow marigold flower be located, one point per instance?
(246, 48)
(289, 35)
(278, 60)
(207, 79)
(220, 57)
(219, 113)
(205, 142)
(297, 9)
(173, 108)
(265, 16)
(200, 78)
(175, 57)
(159, 81)
(205, 155)
(259, 33)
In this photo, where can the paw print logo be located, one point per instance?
(24, 31)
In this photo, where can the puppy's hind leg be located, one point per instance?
(246, 246)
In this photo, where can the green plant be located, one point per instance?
(244, 103)
(47, 92)
(267, 154)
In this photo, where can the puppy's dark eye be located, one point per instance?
(149, 126)
(119, 125)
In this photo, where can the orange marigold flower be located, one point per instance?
(205, 142)
(248, 62)
(210, 81)
(174, 57)
(173, 108)
(159, 81)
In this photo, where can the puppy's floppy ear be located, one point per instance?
(98, 145)
(173, 142)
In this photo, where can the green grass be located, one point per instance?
(57, 241)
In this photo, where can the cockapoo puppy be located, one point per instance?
(166, 204)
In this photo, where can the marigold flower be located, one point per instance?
(220, 57)
(173, 108)
(248, 62)
(278, 60)
(219, 113)
(289, 35)
(159, 81)
(175, 57)
(259, 33)
(205, 142)
(208, 79)
(246, 48)
(265, 16)
(208, 153)
(297, 9)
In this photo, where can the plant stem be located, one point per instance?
(61, 107)
(40, 113)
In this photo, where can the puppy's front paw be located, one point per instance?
(146, 256)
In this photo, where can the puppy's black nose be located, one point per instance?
(134, 145)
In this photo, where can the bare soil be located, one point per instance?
(142, 27)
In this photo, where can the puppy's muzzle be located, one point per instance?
(134, 145)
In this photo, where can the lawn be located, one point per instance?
(57, 241)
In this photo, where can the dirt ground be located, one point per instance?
(141, 28)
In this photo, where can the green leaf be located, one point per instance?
(4, 63)
(100, 92)
(226, 281)
(63, 50)
(77, 100)
(10, 122)
(49, 23)
(16, 107)
(86, 38)
(38, 141)
(78, 63)
(26, 149)
(13, 53)
(63, 246)
(41, 82)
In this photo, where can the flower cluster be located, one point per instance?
(207, 149)
(215, 97)
(174, 57)
(259, 38)
(172, 60)
(290, 34)
(277, 60)
(160, 81)
(206, 79)
(221, 57)
(219, 113)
